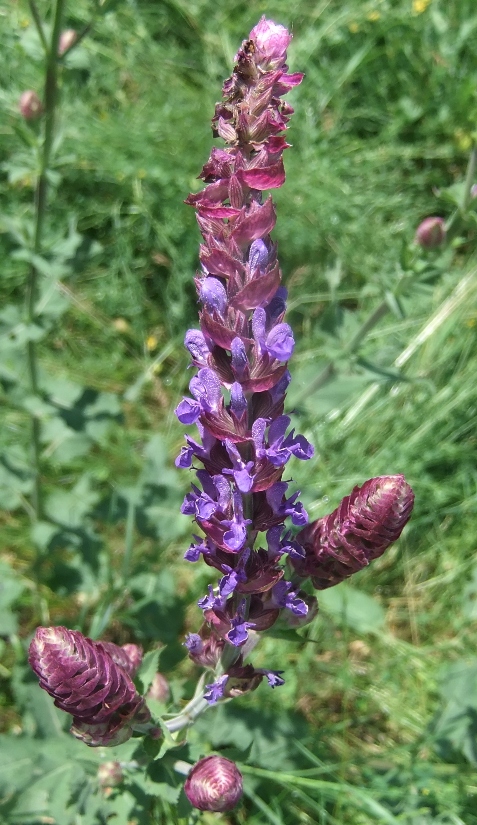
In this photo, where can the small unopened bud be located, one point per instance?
(159, 689)
(214, 784)
(473, 191)
(110, 774)
(67, 38)
(30, 105)
(358, 531)
(431, 233)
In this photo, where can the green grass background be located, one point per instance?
(383, 126)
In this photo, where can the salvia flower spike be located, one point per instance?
(214, 784)
(90, 680)
(241, 351)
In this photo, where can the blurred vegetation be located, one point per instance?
(377, 720)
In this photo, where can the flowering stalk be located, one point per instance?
(241, 352)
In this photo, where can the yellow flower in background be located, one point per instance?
(374, 15)
(353, 27)
(419, 6)
(463, 140)
(151, 343)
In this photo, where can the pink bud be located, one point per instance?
(473, 191)
(30, 105)
(214, 784)
(67, 38)
(159, 689)
(271, 41)
(110, 774)
(431, 233)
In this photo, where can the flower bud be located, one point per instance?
(214, 784)
(473, 191)
(30, 105)
(159, 689)
(271, 41)
(110, 774)
(67, 38)
(84, 679)
(431, 233)
(358, 531)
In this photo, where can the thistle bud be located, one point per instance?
(159, 689)
(431, 233)
(358, 531)
(85, 680)
(30, 105)
(110, 774)
(67, 38)
(214, 784)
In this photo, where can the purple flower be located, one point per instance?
(215, 691)
(274, 677)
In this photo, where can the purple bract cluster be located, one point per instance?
(92, 681)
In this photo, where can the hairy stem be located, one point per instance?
(50, 102)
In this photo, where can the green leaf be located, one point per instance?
(11, 588)
(352, 607)
(147, 671)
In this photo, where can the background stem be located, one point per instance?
(49, 103)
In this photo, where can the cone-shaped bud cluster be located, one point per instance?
(358, 531)
(431, 233)
(67, 38)
(30, 105)
(241, 351)
(91, 681)
(214, 784)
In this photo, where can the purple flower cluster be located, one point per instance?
(241, 351)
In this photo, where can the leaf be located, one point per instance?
(11, 588)
(69, 508)
(147, 671)
(352, 607)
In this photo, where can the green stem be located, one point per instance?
(188, 715)
(50, 102)
(469, 179)
(39, 25)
